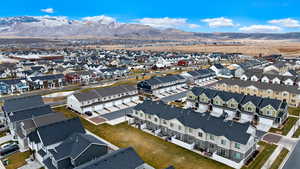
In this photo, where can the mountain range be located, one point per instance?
(58, 27)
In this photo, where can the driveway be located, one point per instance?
(5, 139)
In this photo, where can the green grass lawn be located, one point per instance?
(153, 150)
(287, 126)
(265, 152)
(17, 160)
(294, 111)
(297, 133)
(279, 159)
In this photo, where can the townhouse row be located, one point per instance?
(240, 107)
(214, 136)
(288, 93)
(97, 100)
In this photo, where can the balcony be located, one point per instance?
(189, 146)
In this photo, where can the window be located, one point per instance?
(200, 134)
(237, 145)
(149, 116)
(171, 124)
(237, 155)
(223, 142)
(155, 119)
(249, 109)
(164, 122)
(179, 127)
(190, 130)
(212, 137)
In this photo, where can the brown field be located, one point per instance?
(251, 47)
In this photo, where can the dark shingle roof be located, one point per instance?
(21, 103)
(214, 125)
(59, 131)
(121, 159)
(30, 113)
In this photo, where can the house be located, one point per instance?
(103, 98)
(47, 81)
(21, 108)
(65, 144)
(25, 127)
(125, 158)
(13, 85)
(221, 71)
(199, 76)
(251, 108)
(288, 93)
(158, 85)
(192, 130)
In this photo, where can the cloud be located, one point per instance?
(48, 10)
(219, 22)
(167, 22)
(100, 19)
(287, 22)
(261, 29)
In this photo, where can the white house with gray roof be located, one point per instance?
(103, 98)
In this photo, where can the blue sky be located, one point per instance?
(189, 15)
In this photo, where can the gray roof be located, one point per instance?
(59, 131)
(121, 159)
(264, 86)
(74, 145)
(233, 131)
(29, 113)
(104, 92)
(21, 103)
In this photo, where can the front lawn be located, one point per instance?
(279, 159)
(294, 111)
(287, 126)
(265, 152)
(297, 133)
(153, 150)
(17, 160)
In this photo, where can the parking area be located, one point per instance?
(272, 138)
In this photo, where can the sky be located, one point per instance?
(189, 15)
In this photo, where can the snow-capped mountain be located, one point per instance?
(59, 26)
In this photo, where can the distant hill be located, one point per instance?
(57, 27)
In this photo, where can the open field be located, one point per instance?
(249, 47)
(153, 150)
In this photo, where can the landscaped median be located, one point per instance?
(153, 150)
(265, 152)
(287, 126)
(279, 159)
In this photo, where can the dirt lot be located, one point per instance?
(249, 47)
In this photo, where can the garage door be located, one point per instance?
(266, 121)
(203, 108)
(118, 102)
(135, 98)
(217, 110)
(109, 104)
(99, 107)
(230, 113)
(127, 100)
(246, 117)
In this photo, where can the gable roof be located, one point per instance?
(29, 113)
(21, 103)
(74, 145)
(59, 131)
(125, 158)
(233, 131)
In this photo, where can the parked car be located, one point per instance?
(88, 113)
(8, 149)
